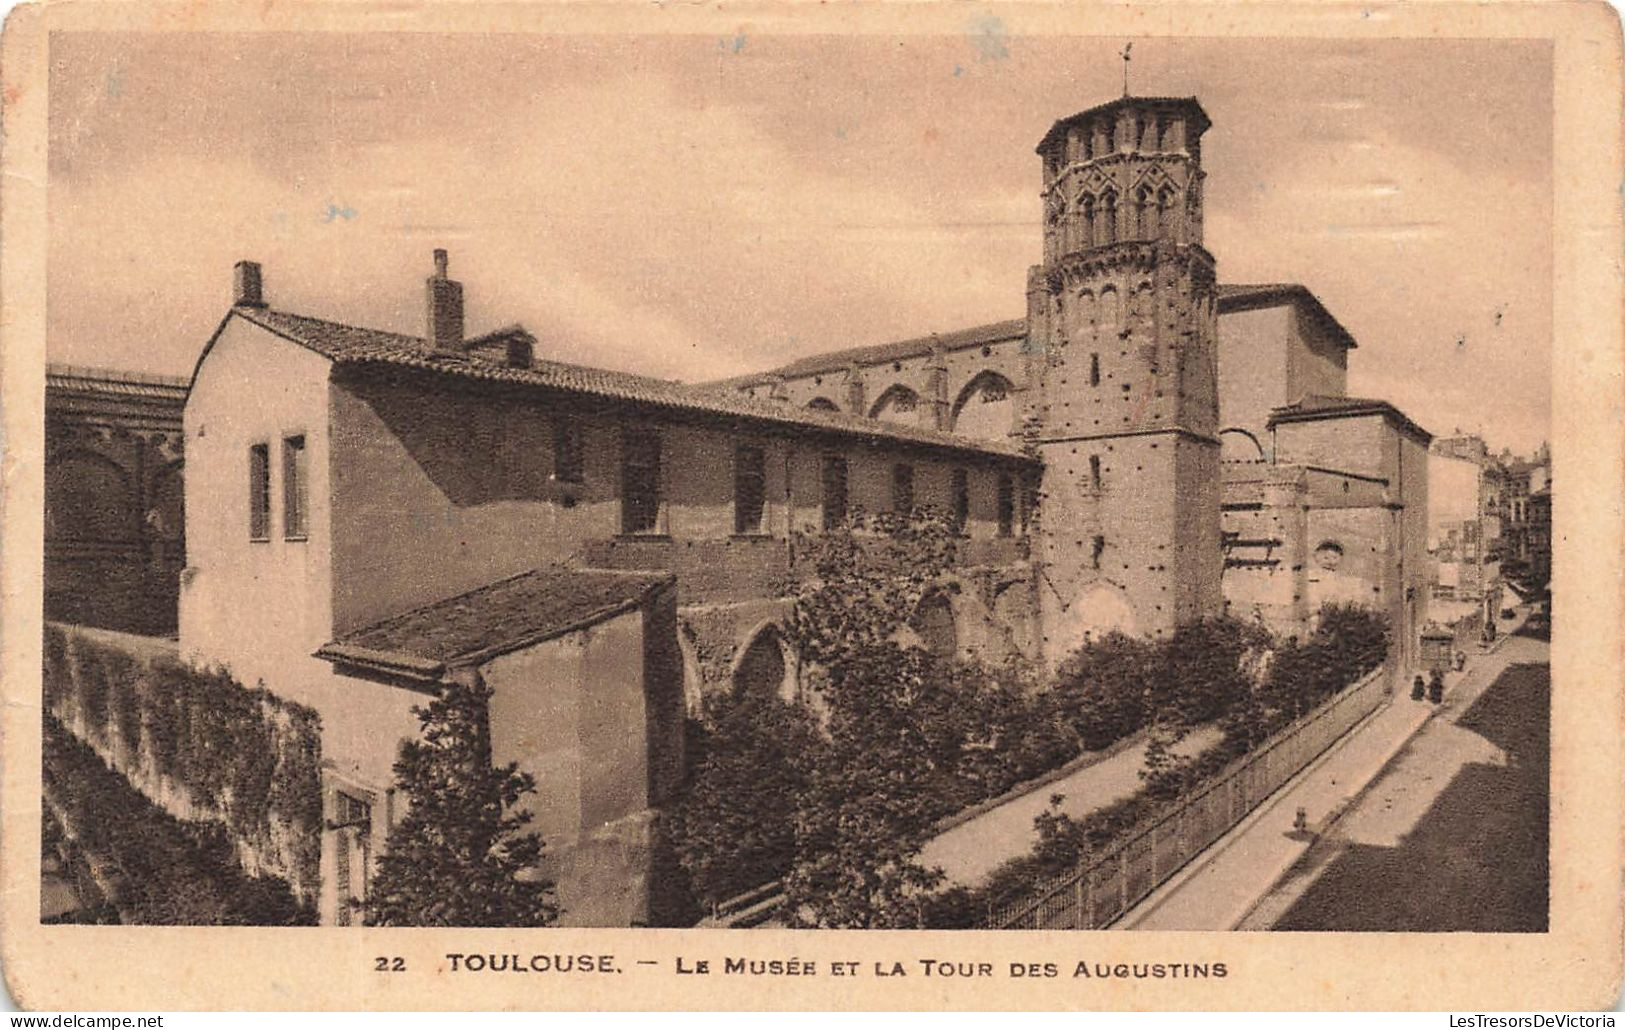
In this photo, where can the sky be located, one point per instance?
(700, 206)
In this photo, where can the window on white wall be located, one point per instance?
(259, 492)
(295, 500)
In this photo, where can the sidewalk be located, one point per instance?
(973, 849)
(1219, 890)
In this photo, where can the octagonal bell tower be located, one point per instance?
(1122, 324)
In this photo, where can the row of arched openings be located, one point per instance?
(983, 410)
(1153, 215)
(89, 497)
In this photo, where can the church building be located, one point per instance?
(370, 513)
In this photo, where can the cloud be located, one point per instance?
(667, 207)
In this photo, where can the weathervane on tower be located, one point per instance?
(1126, 48)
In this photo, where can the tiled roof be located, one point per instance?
(881, 353)
(113, 382)
(1318, 406)
(517, 612)
(1232, 297)
(351, 345)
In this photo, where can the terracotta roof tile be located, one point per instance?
(351, 345)
(504, 616)
(108, 381)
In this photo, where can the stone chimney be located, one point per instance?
(444, 330)
(249, 291)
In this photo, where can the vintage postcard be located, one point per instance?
(772, 506)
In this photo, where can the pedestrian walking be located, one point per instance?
(1417, 687)
(1461, 660)
(1436, 686)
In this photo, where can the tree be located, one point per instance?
(460, 857)
(870, 806)
(733, 827)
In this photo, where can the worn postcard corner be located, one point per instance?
(551, 506)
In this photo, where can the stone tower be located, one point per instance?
(1122, 324)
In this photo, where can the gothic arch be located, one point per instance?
(985, 408)
(693, 677)
(89, 496)
(1237, 444)
(1108, 215)
(897, 404)
(764, 667)
(1101, 607)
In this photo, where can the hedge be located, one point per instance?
(200, 745)
(152, 867)
(1348, 642)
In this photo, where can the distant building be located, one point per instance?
(115, 527)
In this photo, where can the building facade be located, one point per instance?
(371, 514)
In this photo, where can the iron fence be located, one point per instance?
(1108, 883)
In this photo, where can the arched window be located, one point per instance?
(1165, 213)
(897, 404)
(1087, 206)
(1109, 216)
(1111, 308)
(984, 409)
(1142, 211)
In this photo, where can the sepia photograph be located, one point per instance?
(780, 478)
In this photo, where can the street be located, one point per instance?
(1453, 836)
(1420, 819)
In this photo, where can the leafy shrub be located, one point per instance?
(159, 869)
(461, 856)
(245, 757)
(732, 827)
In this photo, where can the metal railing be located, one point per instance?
(1110, 882)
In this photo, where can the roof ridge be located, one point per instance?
(359, 347)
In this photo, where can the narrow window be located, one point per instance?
(1094, 471)
(569, 464)
(1110, 217)
(834, 477)
(750, 489)
(1099, 549)
(294, 501)
(259, 492)
(1094, 370)
(640, 482)
(1029, 504)
(902, 488)
(1088, 207)
(1007, 505)
(961, 500)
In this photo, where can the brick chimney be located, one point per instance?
(248, 291)
(444, 329)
